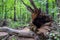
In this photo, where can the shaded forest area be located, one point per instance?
(14, 14)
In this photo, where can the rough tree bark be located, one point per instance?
(15, 10)
(22, 33)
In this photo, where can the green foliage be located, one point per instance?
(16, 24)
(54, 36)
(22, 14)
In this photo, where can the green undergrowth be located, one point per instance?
(16, 24)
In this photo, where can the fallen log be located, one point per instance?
(23, 33)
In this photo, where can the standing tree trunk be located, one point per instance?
(20, 12)
(1, 13)
(15, 10)
(2, 8)
(5, 16)
(47, 6)
(53, 8)
(58, 2)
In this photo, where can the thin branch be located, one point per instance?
(28, 7)
(32, 3)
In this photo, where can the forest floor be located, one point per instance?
(3, 36)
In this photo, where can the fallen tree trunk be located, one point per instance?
(22, 33)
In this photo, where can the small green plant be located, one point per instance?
(54, 36)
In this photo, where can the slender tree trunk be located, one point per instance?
(53, 8)
(47, 6)
(15, 10)
(20, 13)
(5, 16)
(20, 10)
(58, 2)
(2, 8)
